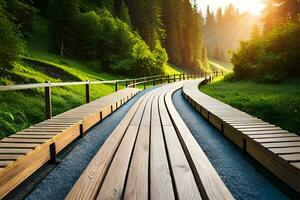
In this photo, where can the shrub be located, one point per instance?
(116, 46)
(272, 56)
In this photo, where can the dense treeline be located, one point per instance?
(224, 29)
(174, 24)
(98, 35)
(123, 36)
(275, 53)
(183, 25)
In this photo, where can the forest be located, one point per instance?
(121, 36)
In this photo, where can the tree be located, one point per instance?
(255, 32)
(210, 21)
(280, 11)
(63, 15)
(22, 12)
(11, 44)
(146, 19)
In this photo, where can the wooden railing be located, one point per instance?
(127, 82)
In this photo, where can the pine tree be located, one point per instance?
(210, 21)
(146, 19)
(62, 20)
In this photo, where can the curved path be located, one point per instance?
(236, 170)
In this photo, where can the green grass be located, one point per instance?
(171, 69)
(278, 104)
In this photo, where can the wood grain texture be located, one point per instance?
(137, 179)
(273, 147)
(160, 175)
(88, 184)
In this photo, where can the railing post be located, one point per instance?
(48, 104)
(161, 79)
(145, 83)
(87, 92)
(126, 84)
(179, 77)
(116, 86)
(168, 78)
(174, 78)
(183, 76)
(154, 81)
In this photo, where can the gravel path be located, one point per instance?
(235, 168)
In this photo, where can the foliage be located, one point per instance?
(274, 103)
(272, 56)
(111, 41)
(22, 12)
(11, 44)
(280, 11)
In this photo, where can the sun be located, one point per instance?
(255, 7)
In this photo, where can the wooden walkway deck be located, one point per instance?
(21, 154)
(275, 148)
(151, 155)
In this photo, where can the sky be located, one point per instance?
(253, 6)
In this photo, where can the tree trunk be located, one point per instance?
(62, 45)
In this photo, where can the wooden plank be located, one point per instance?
(23, 167)
(14, 151)
(264, 135)
(186, 185)
(31, 136)
(296, 164)
(19, 145)
(258, 129)
(287, 150)
(137, 178)
(285, 139)
(265, 132)
(272, 135)
(88, 184)
(281, 144)
(281, 169)
(8, 157)
(22, 140)
(4, 163)
(38, 133)
(208, 180)
(161, 187)
(112, 187)
(291, 157)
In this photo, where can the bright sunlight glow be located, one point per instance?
(253, 6)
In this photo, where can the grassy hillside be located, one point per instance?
(274, 103)
(20, 109)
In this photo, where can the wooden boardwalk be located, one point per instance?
(23, 153)
(275, 148)
(151, 155)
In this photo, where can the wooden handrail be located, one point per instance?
(134, 82)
